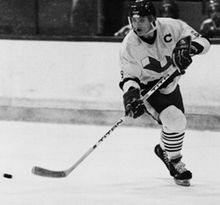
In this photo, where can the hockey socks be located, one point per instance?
(172, 143)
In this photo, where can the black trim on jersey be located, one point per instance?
(121, 84)
(196, 48)
(149, 40)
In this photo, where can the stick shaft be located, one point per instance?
(159, 83)
(118, 123)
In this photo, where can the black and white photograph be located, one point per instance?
(109, 102)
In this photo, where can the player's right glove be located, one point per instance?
(134, 106)
(181, 54)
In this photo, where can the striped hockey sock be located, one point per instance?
(172, 143)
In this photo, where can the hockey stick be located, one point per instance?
(63, 173)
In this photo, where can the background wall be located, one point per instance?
(64, 81)
(78, 17)
(17, 16)
(49, 17)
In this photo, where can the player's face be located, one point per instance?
(141, 25)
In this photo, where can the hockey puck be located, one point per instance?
(9, 176)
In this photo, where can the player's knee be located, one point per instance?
(173, 119)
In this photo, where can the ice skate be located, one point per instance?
(176, 167)
(181, 175)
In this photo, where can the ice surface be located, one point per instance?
(123, 170)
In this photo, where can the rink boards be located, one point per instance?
(77, 82)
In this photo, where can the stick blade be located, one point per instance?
(48, 173)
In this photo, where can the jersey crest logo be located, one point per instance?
(168, 38)
(156, 65)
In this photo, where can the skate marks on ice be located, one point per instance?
(123, 170)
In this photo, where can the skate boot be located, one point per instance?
(176, 167)
(162, 155)
(180, 174)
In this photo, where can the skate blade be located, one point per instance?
(185, 182)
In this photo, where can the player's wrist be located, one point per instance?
(129, 84)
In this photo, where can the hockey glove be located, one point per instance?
(134, 106)
(181, 54)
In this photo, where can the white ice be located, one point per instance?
(123, 170)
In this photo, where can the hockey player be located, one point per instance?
(154, 47)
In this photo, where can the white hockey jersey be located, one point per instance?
(149, 62)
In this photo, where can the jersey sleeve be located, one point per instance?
(130, 69)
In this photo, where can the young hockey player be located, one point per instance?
(154, 47)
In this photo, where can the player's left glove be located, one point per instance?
(123, 31)
(181, 54)
(134, 106)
